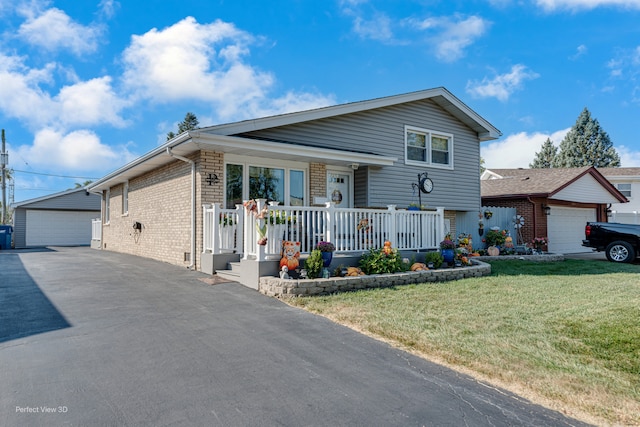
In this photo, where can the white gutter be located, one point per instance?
(193, 204)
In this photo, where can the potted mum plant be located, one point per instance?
(326, 249)
(447, 249)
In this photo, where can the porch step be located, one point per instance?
(233, 273)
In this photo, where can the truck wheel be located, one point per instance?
(620, 251)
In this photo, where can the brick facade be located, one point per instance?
(161, 201)
(317, 181)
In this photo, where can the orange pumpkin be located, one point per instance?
(387, 243)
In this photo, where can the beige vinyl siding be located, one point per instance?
(381, 131)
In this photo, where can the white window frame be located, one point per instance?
(107, 206)
(125, 199)
(286, 165)
(429, 134)
(624, 191)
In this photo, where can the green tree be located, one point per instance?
(545, 157)
(190, 122)
(84, 184)
(586, 144)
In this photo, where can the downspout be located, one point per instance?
(193, 204)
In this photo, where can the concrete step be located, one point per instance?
(234, 267)
(228, 275)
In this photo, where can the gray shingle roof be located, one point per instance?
(619, 171)
(530, 181)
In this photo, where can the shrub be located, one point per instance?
(495, 237)
(379, 261)
(314, 264)
(435, 257)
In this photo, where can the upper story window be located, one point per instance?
(625, 189)
(423, 146)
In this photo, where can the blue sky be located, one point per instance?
(86, 86)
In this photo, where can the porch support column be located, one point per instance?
(391, 226)
(239, 243)
(248, 225)
(260, 222)
(214, 231)
(329, 222)
(440, 225)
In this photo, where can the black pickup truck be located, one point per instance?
(621, 242)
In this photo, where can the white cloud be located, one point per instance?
(108, 8)
(201, 62)
(517, 150)
(294, 101)
(455, 36)
(552, 5)
(580, 51)
(82, 103)
(55, 30)
(80, 150)
(503, 85)
(628, 157)
(378, 28)
(90, 102)
(20, 93)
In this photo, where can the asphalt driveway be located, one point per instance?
(92, 337)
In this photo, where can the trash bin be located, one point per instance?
(5, 236)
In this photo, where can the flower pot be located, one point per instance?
(326, 258)
(448, 255)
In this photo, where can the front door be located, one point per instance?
(339, 190)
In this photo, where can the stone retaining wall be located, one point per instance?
(534, 258)
(276, 287)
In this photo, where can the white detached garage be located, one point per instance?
(61, 219)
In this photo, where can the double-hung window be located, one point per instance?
(625, 189)
(427, 147)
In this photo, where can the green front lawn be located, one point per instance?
(565, 334)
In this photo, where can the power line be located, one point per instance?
(57, 176)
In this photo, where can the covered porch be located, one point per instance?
(352, 230)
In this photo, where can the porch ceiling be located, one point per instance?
(286, 151)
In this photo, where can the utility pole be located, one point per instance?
(4, 160)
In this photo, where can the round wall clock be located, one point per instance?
(426, 185)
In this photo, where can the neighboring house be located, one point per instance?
(627, 181)
(358, 155)
(61, 219)
(555, 203)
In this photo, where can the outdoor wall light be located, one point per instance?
(546, 209)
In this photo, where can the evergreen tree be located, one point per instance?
(546, 156)
(190, 122)
(586, 144)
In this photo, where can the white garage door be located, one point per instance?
(566, 229)
(59, 228)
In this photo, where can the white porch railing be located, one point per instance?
(351, 230)
(221, 233)
(96, 229)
